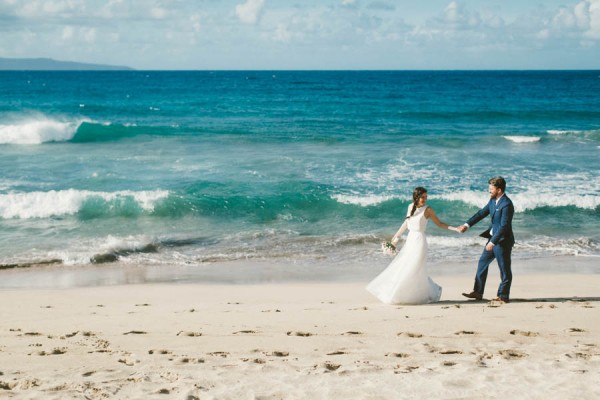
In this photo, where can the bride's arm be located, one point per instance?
(403, 228)
(429, 213)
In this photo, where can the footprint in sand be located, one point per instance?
(299, 333)
(584, 356)
(135, 333)
(163, 352)
(465, 333)
(575, 330)
(448, 363)
(189, 360)
(223, 354)
(277, 353)
(451, 352)
(410, 334)
(511, 354)
(397, 355)
(404, 369)
(352, 333)
(523, 333)
(190, 334)
(54, 352)
(329, 366)
(245, 332)
(484, 356)
(336, 353)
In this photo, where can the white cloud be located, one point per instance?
(581, 21)
(381, 6)
(249, 12)
(594, 14)
(327, 33)
(158, 12)
(89, 35)
(282, 34)
(196, 22)
(67, 33)
(582, 14)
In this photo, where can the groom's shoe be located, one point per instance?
(503, 300)
(473, 295)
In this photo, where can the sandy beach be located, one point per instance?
(300, 340)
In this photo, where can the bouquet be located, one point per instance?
(388, 248)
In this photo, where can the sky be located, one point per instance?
(306, 35)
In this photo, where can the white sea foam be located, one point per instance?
(558, 246)
(530, 200)
(558, 132)
(362, 200)
(572, 132)
(39, 129)
(67, 202)
(523, 139)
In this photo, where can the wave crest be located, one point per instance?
(523, 139)
(363, 200)
(527, 201)
(39, 129)
(70, 201)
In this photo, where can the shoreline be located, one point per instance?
(258, 272)
(300, 340)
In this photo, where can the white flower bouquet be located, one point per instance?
(388, 248)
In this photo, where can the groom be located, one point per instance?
(500, 240)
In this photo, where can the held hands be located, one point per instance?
(462, 229)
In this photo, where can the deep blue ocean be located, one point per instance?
(196, 168)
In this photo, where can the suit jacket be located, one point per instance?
(501, 224)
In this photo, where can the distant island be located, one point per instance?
(48, 64)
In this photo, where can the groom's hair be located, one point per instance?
(499, 182)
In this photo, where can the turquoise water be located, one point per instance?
(189, 168)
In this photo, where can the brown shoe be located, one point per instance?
(473, 295)
(501, 300)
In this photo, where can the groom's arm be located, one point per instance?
(479, 215)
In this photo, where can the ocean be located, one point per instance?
(298, 168)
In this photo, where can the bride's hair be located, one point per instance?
(417, 193)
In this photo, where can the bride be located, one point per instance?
(405, 280)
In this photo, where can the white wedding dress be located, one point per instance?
(405, 280)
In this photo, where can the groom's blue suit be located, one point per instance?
(501, 235)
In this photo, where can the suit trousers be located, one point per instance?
(502, 253)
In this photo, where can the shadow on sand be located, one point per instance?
(573, 299)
